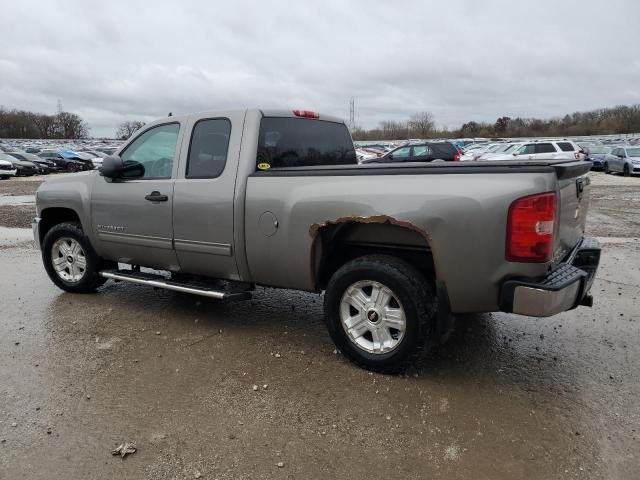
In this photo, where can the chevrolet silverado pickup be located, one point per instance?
(216, 203)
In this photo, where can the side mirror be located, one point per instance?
(515, 154)
(112, 167)
(390, 156)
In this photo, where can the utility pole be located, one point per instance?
(352, 114)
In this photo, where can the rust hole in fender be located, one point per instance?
(375, 219)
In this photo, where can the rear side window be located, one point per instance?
(421, 151)
(444, 149)
(208, 148)
(302, 142)
(545, 148)
(566, 147)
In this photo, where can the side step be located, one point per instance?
(159, 281)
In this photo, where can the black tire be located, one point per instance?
(90, 280)
(606, 168)
(626, 171)
(415, 294)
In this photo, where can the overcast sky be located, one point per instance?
(111, 61)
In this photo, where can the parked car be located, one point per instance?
(7, 169)
(476, 153)
(625, 160)
(95, 153)
(67, 164)
(544, 150)
(107, 150)
(45, 166)
(88, 158)
(597, 155)
(23, 169)
(83, 158)
(276, 198)
(366, 154)
(419, 152)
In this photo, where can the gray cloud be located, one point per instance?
(461, 60)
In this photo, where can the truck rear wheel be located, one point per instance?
(70, 260)
(380, 311)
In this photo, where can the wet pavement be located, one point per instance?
(504, 397)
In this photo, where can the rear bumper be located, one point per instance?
(564, 288)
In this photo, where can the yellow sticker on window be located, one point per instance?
(264, 166)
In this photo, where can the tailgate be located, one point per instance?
(573, 203)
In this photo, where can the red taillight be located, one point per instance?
(456, 157)
(306, 114)
(530, 226)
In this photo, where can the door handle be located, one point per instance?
(156, 196)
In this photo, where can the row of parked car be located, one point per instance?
(624, 158)
(16, 162)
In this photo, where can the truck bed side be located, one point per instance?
(460, 216)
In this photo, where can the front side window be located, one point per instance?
(208, 148)
(151, 154)
(303, 142)
(401, 153)
(545, 148)
(527, 149)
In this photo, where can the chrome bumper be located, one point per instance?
(35, 226)
(564, 288)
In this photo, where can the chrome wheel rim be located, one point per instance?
(68, 259)
(372, 317)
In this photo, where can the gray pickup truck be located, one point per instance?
(216, 203)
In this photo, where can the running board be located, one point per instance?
(158, 281)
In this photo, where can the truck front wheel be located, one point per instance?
(380, 312)
(70, 260)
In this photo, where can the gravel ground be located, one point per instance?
(255, 389)
(19, 216)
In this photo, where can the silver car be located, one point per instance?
(625, 160)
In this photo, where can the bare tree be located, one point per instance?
(70, 125)
(128, 128)
(421, 124)
(392, 130)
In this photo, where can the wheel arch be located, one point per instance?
(338, 242)
(49, 217)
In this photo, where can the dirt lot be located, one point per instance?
(505, 397)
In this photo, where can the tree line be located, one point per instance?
(621, 119)
(24, 124)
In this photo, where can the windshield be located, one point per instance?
(633, 152)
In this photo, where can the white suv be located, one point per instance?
(7, 170)
(545, 150)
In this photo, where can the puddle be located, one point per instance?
(17, 199)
